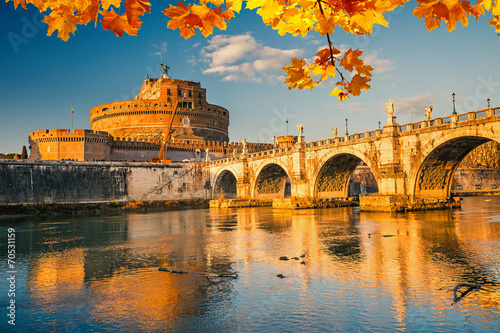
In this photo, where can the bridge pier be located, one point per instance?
(399, 203)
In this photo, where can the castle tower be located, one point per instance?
(147, 116)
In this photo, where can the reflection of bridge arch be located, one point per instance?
(272, 181)
(225, 184)
(332, 179)
(440, 160)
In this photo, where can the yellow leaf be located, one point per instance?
(234, 5)
(341, 95)
(295, 72)
(218, 3)
(106, 3)
(63, 20)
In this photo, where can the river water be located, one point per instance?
(361, 272)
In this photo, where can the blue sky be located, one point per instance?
(240, 68)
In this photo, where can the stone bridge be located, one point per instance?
(412, 163)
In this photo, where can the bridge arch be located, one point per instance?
(335, 171)
(272, 181)
(225, 184)
(440, 159)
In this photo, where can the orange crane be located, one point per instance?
(163, 150)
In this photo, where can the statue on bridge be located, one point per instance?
(335, 129)
(300, 128)
(275, 142)
(244, 145)
(207, 156)
(428, 111)
(389, 107)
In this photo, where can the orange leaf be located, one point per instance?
(63, 20)
(81, 5)
(357, 83)
(476, 10)
(18, 2)
(117, 24)
(193, 20)
(457, 12)
(90, 13)
(350, 59)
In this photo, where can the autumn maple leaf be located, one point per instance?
(357, 84)
(63, 20)
(117, 23)
(189, 18)
(90, 13)
(134, 8)
(298, 75)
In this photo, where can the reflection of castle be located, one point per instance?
(133, 130)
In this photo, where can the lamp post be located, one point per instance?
(488, 100)
(346, 131)
(453, 98)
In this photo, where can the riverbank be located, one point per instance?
(75, 209)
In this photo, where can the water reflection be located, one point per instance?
(373, 272)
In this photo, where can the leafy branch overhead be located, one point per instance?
(296, 17)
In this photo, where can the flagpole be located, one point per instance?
(72, 111)
(286, 126)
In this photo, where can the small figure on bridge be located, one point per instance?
(335, 129)
(300, 128)
(428, 111)
(389, 107)
(275, 142)
(244, 145)
(235, 151)
(207, 156)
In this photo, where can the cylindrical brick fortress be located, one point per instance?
(147, 117)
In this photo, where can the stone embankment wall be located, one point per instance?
(24, 181)
(476, 181)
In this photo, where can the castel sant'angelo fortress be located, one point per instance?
(134, 130)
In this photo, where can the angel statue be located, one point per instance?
(165, 69)
(389, 107)
(428, 111)
(300, 128)
(335, 129)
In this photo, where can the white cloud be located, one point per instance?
(381, 66)
(315, 42)
(413, 106)
(192, 61)
(243, 58)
